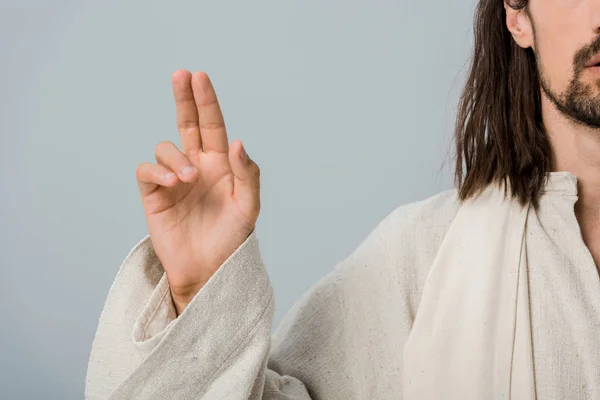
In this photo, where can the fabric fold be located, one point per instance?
(156, 318)
(232, 312)
(472, 334)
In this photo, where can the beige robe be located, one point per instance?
(346, 338)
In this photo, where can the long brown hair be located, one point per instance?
(499, 134)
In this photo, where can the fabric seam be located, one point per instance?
(153, 314)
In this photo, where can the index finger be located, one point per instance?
(187, 113)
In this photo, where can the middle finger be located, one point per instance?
(212, 124)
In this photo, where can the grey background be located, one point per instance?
(347, 106)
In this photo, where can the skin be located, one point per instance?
(197, 221)
(557, 30)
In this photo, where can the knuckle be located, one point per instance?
(212, 125)
(187, 125)
(209, 102)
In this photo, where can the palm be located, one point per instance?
(195, 226)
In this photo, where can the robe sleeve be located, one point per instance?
(156, 318)
(342, 339)
(221, 347)
(216, 349)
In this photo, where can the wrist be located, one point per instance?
(181, 298)
(179, 306)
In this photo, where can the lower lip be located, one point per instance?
(595, 69)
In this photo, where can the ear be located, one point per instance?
(519, 25)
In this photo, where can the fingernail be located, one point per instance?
(169, 176)
(188, 170)
(243, 154)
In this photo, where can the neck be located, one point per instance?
(576, 149)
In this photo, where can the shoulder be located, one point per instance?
(412, 232)
(396, 256)
(373, 292)
(431, 215)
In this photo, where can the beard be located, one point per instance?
(580, 101)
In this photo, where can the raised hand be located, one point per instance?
(200, 202)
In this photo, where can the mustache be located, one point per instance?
(583, 55)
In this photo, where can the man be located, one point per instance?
(468, 294)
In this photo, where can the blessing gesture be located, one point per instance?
(201, 202)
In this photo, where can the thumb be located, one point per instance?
(246, 183)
